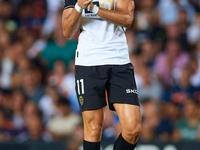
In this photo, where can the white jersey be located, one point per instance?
(101, 42)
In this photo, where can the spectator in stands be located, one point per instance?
(4, 39)
(59, 48)
(6, 10)
(7, 105)
(195, 64)
(49, 104)
(171, 111)
(147, 133)
(5, 128)
(23, 64)
(52, 10)
(30, 109)
(183, 24)
(18, 102)
(7, 66)
(150, 87)
(31, 84)
(35, 129)
(172, 31)
(148, 52)
(152, 117)
(33, 126)
(61, 127)
(193, 31)
(183, 90)
(59, 72)
(169, 63)
(187, 128)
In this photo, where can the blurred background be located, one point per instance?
(38, 104)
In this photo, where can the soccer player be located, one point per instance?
(102, 63)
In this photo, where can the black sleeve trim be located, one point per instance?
(69, 4)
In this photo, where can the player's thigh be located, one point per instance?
(122, 87)
(93, 123)
(129, 117)
(90, 87)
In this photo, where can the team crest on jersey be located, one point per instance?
(81, 100)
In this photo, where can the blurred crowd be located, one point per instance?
(37, 96)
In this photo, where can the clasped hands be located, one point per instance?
(86, 3)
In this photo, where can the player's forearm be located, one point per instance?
(116, 17)
(71, 24)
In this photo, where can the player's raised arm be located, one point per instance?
(71, 16)
(122, 16)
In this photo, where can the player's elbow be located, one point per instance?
(128, 23)
(67, 35)
(128, 26)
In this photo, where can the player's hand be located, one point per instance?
(84, 3)
(90, 6)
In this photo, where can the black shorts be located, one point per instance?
(93, 81)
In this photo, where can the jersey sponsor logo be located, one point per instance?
(128, 91)
(81, 100)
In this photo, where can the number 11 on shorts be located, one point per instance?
(78, 82)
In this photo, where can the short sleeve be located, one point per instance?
(69, 3)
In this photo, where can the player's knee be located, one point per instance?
(133, 131)
(94, 129)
